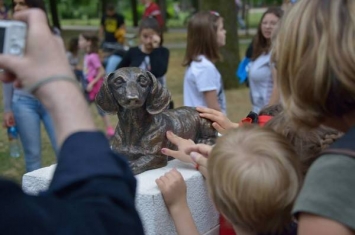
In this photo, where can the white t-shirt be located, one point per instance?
(202, 76)
(260, 81)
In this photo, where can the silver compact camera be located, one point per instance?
(12, 37)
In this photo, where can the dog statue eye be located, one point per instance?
(119, 81)
(143, 81)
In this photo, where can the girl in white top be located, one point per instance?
(261, 80)
(203, 85)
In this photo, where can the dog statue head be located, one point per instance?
(132, 88)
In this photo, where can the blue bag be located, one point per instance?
(241, 72)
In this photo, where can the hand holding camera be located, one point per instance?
(43, 57)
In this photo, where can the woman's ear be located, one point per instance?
(104, 98)
(159, 98)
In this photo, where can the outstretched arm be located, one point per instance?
(181, 144)
(173, 189)
(93, 189)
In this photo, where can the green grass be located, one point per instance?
(238, 106)
(254, 19)
(180, 22)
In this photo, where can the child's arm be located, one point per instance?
(211, 100)
(100, 75)
(173, 189)
(159, 61)
(315, 225)
(126, 60)
(220, 121)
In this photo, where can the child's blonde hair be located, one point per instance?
(254, 177)
(315, 53)
(202, 37)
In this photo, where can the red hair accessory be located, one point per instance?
(263, 119)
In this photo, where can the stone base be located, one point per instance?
(150, 204)
(37, 181)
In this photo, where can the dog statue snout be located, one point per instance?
(132, 94)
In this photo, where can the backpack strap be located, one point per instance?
(344, 146)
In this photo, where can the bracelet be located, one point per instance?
(32, 88)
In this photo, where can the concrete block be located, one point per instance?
(149, 201)
(153, 212)
(37, 181)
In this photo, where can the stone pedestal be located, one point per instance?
(150, 204)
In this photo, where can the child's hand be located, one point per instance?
(220, 122)
(173, 189)
(182, 145)
(90, 87)
(199, 154)
(156, 41)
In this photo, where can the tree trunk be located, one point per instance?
(163, 9)
(196, 4)
(134, 7)
(103, 6)
(54, 13)
(230, 51)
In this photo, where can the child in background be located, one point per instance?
(203, 84)
(254, 188)
(94, 73)
(150, 55)
(261, 71)
(73, 57)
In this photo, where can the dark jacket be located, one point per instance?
(159, 60)
(92, 192)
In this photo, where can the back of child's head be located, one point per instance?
(94, 42)
(254, 177)
(153, 24)
(73, 45)
(202, 37)
(308, 143)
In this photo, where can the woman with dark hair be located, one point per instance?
(260, 70)
(25, 111)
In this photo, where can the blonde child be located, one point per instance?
(254, 188)
(203, 84)
(94, 73)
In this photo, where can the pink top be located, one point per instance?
(92, 65)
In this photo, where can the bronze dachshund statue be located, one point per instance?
(140, 103)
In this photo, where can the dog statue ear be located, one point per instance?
(104, 99)
(159, 98)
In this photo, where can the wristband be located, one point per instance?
(32, 88)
